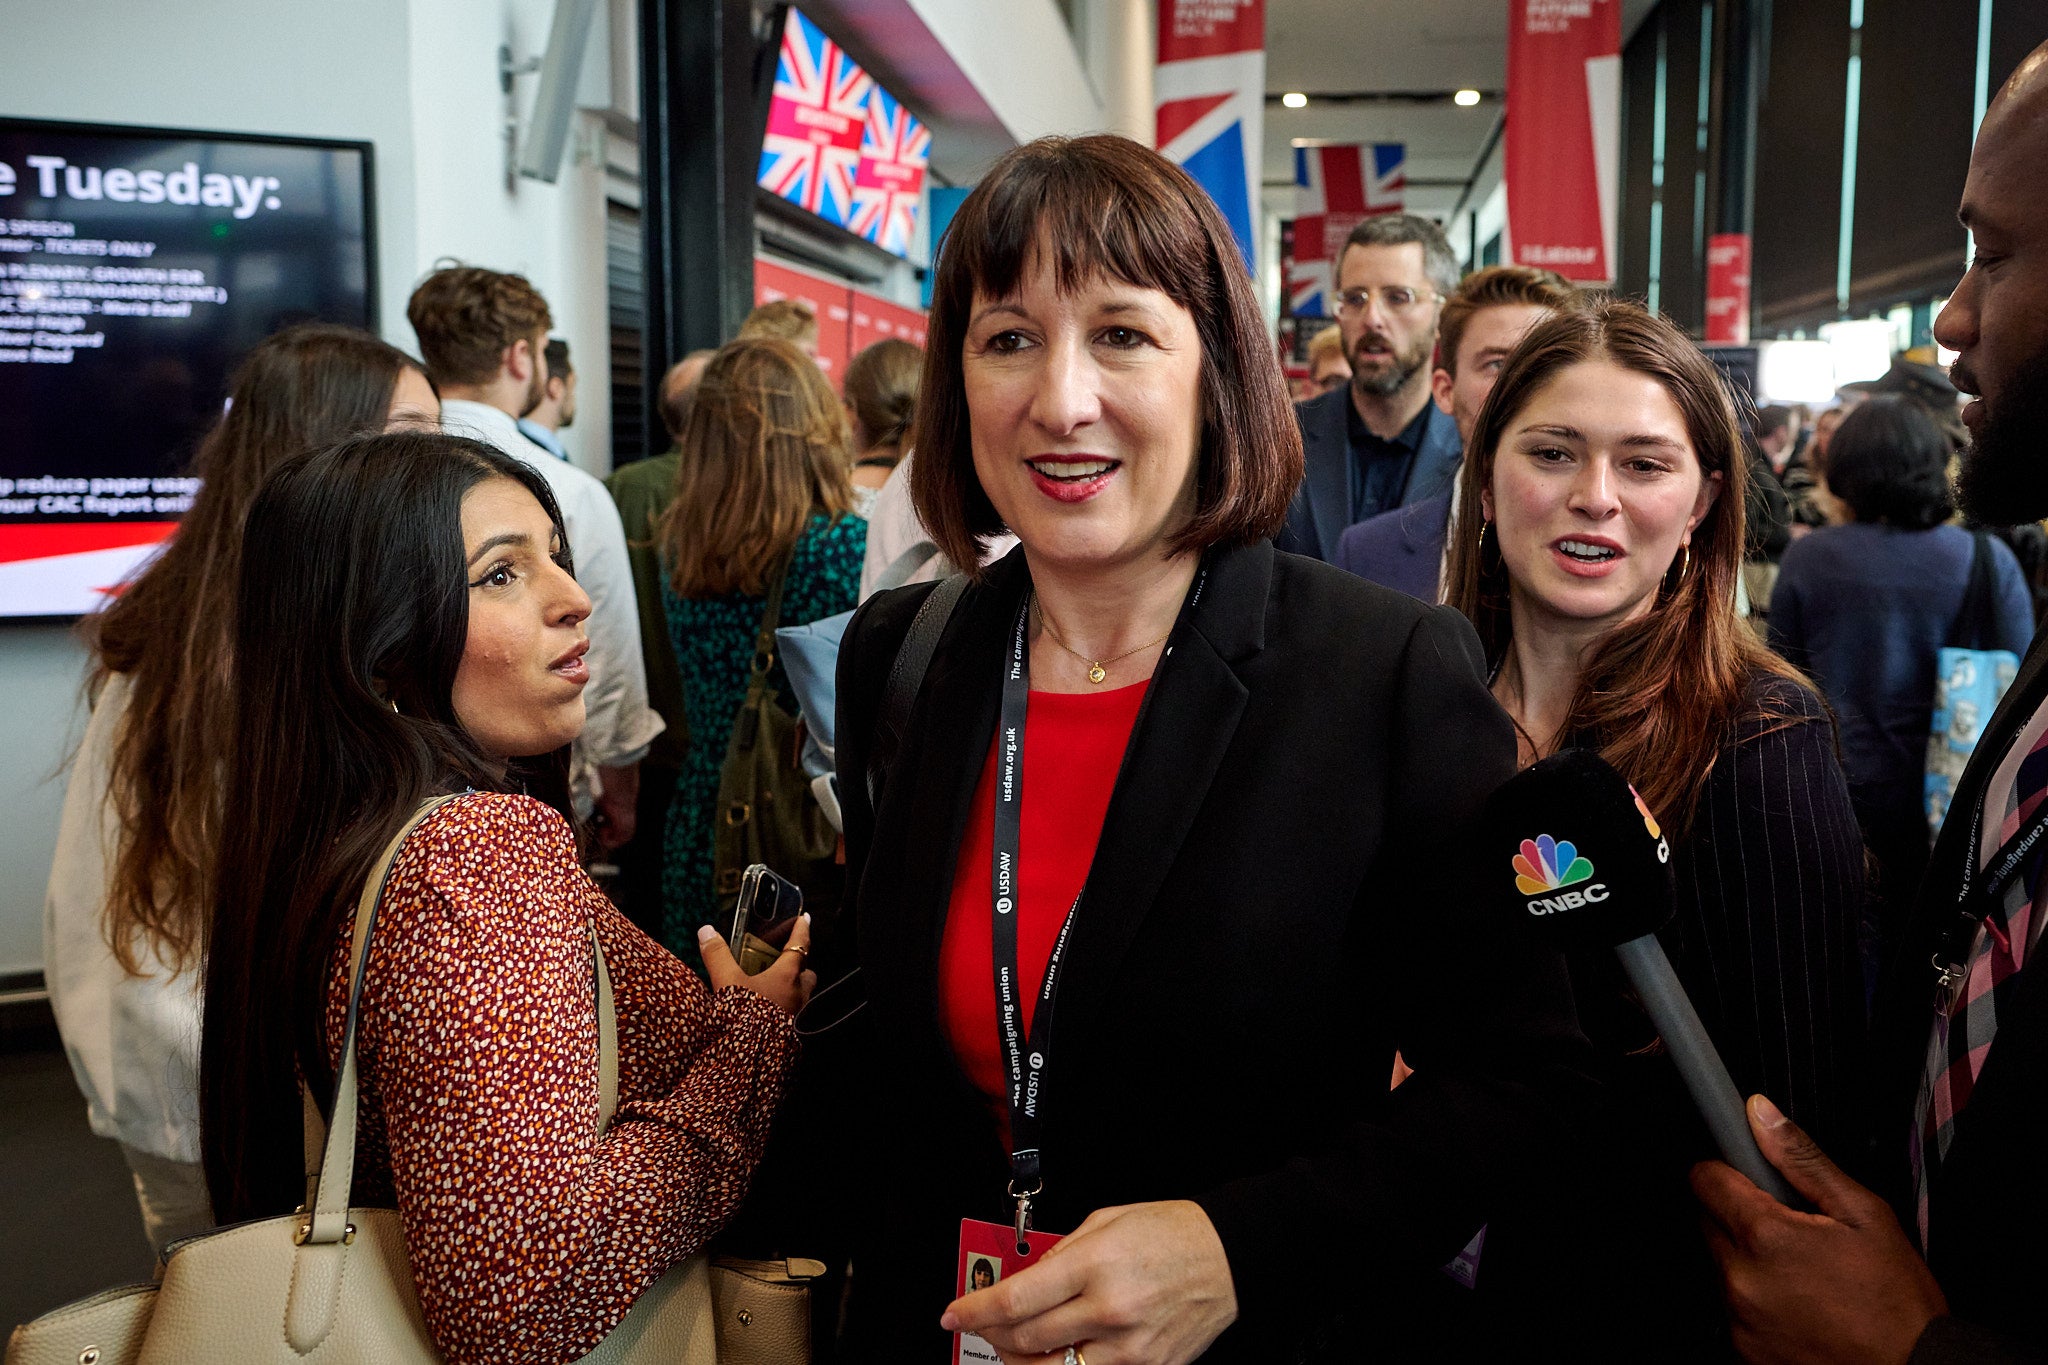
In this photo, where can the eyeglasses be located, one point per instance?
(1395, 298)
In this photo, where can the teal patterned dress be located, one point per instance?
(713, 638)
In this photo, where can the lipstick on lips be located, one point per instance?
(1072, 478)
(1587, 556)
(571, 666)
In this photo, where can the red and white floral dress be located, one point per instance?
(529, 1236)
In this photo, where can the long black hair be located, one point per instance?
(352, 616)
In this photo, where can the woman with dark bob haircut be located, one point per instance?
(1200, 808)
(1866, 607)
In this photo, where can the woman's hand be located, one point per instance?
(1146, 1284)
(785, 982)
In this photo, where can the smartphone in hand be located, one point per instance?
(761, 922)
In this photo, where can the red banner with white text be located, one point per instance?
(1564, 135)
(849, 320)
(1728, 288)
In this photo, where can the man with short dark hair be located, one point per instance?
(1962, 1020)
(556, 410)
(1482, 321)
(483, 335)
(1379, 442)
(1777, 436)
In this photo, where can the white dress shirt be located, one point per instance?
(620, 722)
(893, 529)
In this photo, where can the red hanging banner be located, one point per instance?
(1728, 288)
(1564, 134)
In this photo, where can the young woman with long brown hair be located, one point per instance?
(1603, 537)
(761, 495)
(128, 907)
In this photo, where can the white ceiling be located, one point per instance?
(1368, 47)
(1383, 46)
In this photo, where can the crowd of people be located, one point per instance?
(1167, 708)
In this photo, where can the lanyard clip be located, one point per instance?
(1951, 978)
(1023, 1223)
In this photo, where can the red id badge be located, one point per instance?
(988, 1254)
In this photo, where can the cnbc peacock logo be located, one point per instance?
(1650, 824)
(1548, 865)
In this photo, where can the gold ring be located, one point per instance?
(1074, 1357)
(797, 948)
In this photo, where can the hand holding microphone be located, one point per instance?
(1591, 868)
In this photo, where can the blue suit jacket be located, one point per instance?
(1322, 506)
(1402, 549)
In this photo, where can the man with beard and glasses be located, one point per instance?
(484, 336)
(1953, 1269)
(1379, 442)
(1482, 321)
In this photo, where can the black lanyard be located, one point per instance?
(1977, 900)
(1025, 1057)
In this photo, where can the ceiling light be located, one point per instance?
(1294, 99)
(1465, 99)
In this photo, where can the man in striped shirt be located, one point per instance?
(1957, 1273)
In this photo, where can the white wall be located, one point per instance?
(1021, 59)
(42, 669)
(470, 209)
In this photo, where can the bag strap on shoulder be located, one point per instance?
(906, 677)
(331, 1179)
(1976, 619)
(331, 1146)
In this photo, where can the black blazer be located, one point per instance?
(1988, 1202)
(1278, 901)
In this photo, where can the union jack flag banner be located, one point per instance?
(1211, 89)
(890, 182)
(1362, 179)
(1335, 188)
(815, 123)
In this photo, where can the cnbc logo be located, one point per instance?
(1546, 865)
(1650, 824)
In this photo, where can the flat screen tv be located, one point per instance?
(137, 268)
(840, 145)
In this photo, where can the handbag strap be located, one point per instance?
(904, 565)
(771, 616)
(607, 1039)
(1974, 621)
(906, 678)
(331, 1147)
(328, 1197)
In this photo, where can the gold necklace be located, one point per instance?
(1098, 669)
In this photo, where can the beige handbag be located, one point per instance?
(336, 1286)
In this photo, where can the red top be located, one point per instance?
(1074, 743)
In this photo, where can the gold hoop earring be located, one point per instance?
(1684, 566)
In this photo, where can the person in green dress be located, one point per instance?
(763, 476)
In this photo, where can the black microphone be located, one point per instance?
(1588, 867)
